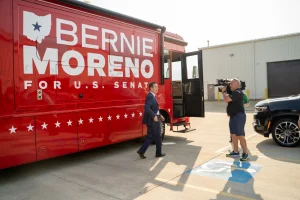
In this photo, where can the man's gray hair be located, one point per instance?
(238, 81)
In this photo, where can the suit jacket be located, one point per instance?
(150, 109)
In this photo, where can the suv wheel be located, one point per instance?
(285, 132)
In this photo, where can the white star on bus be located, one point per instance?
(91, 120)
(12, 130)
(100, 119)
(80, 121)
(141, 113)
(57, 124)
(118, 116)
(125, 115)
(109, 117)
(44, 125)
(132, 114)
(69, 123)
(30, 127)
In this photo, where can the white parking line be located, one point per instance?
(222, 150)
(168, 143)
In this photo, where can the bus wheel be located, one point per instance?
(162, 131)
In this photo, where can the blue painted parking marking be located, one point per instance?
(235, 171)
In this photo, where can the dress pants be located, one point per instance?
(152, 131)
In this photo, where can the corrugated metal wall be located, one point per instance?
(228, 62)
(237, 61)
(281, 49)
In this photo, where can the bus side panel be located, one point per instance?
(56, 135)
(92, 129)
(68, 82)
(125, 123)
(17, 141)
(6, 59)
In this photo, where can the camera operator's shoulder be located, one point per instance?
(237, 92)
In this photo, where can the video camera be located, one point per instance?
(226, 82)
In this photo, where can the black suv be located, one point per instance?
(280, 117)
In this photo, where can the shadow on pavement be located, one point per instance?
(240, 185)
(115, 171)
(272, 150)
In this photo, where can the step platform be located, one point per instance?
(184, 124)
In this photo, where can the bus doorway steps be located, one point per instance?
(186, 125)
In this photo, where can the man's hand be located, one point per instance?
(223, 89)
(162, 118)
(299, 123)
(227, 99)
(155, 119)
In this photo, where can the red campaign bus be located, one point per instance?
(74, 77)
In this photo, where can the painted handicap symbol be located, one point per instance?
(235, 171)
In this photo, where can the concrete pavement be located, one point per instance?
(195, 167)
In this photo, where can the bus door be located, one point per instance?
(192, 84)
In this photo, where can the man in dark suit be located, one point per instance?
(152, 119)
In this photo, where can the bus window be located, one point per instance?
(192, 67)
(166, 64)
(176, 71)
(176, 66)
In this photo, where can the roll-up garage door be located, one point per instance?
(283, 78)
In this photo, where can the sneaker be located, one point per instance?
(233, 154)
(244, 157)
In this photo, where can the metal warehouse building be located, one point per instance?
(269, 66)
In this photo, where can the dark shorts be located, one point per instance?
(237, 124)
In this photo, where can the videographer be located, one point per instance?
(236, 112)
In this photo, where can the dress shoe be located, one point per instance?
(141, 155)
(161, 155)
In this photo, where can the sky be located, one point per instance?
(219, 21)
